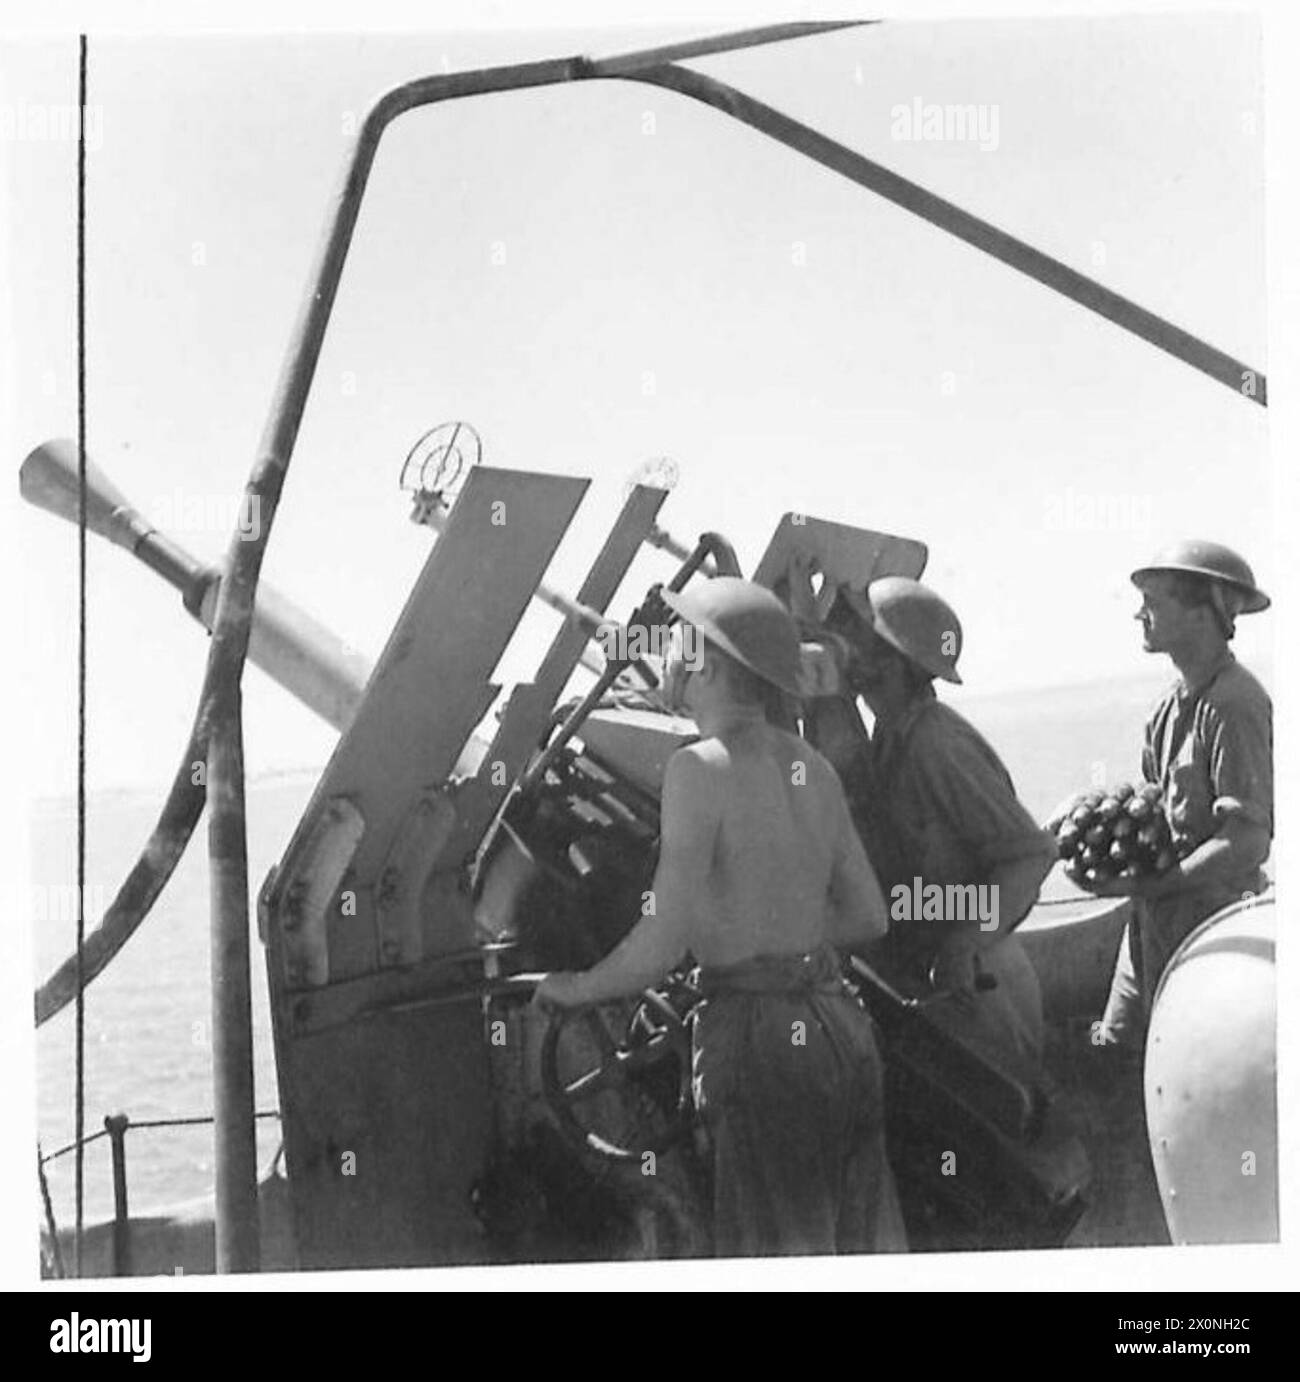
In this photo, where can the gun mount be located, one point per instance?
(415, 903)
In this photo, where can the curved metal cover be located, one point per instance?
(1211, 1081)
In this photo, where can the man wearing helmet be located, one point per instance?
(1209, 748)
(761, 876)
(935, 805)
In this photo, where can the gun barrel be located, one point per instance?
(310, 661)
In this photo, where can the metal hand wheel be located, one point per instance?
(620, 1097)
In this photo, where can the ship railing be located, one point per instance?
(116, 1126)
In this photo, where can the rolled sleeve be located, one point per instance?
(1241, 767)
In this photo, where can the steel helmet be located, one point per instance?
(747, 622)
(913, 619)
(1212, 559)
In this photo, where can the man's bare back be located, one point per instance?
(758, 855)
(772, 807)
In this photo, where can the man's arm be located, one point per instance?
(1239, 846)
(688, 833)
(857, 912)
(832, 725)
(1241, 776)
(1018, 882)
(971, 788)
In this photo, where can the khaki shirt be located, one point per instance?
(932, 800)
(1209, 748)
(950, 812)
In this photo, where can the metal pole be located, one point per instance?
(666, 542)
(234, 1134)
(238, 1246)
(116, 1125)
(56, 1252)
(1240, 377)
(652, 611)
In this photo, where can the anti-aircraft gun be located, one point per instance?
(434, 871)
(430, 1113)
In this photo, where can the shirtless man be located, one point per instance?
(761, 876)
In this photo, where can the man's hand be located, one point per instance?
(560, 990)
(1063, 809)
(1113, 887)
(1146, 886)
(955, 967)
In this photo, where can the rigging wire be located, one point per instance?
(80, 1037)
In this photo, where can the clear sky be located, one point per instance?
(600, 274)
(892, 378)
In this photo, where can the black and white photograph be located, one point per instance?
(646, 643)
